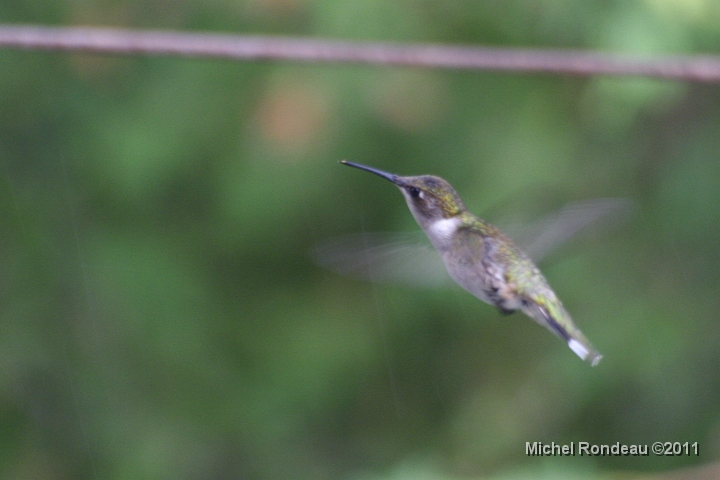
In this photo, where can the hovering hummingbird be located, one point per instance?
(483, 260)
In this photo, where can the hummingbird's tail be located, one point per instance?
(585, 350)
(562, 326)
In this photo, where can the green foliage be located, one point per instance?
(161, 317)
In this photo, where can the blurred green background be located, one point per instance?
(160, 316)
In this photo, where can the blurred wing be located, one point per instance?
(540, 238)
(382, 257)
(408, 259)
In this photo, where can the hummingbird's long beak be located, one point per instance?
(387, 176)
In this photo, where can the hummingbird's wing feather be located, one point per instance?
(382, 257)
(408, 258)
(539, 238)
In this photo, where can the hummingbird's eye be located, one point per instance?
(414, 192)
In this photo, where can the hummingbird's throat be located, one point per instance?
(445, 227)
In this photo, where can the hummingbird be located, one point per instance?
(483, 260)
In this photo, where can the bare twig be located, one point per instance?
(204, 45)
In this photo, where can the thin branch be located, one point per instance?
(207, 45)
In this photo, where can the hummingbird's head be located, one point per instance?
(430, 198)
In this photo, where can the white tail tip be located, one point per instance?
(583, 352)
